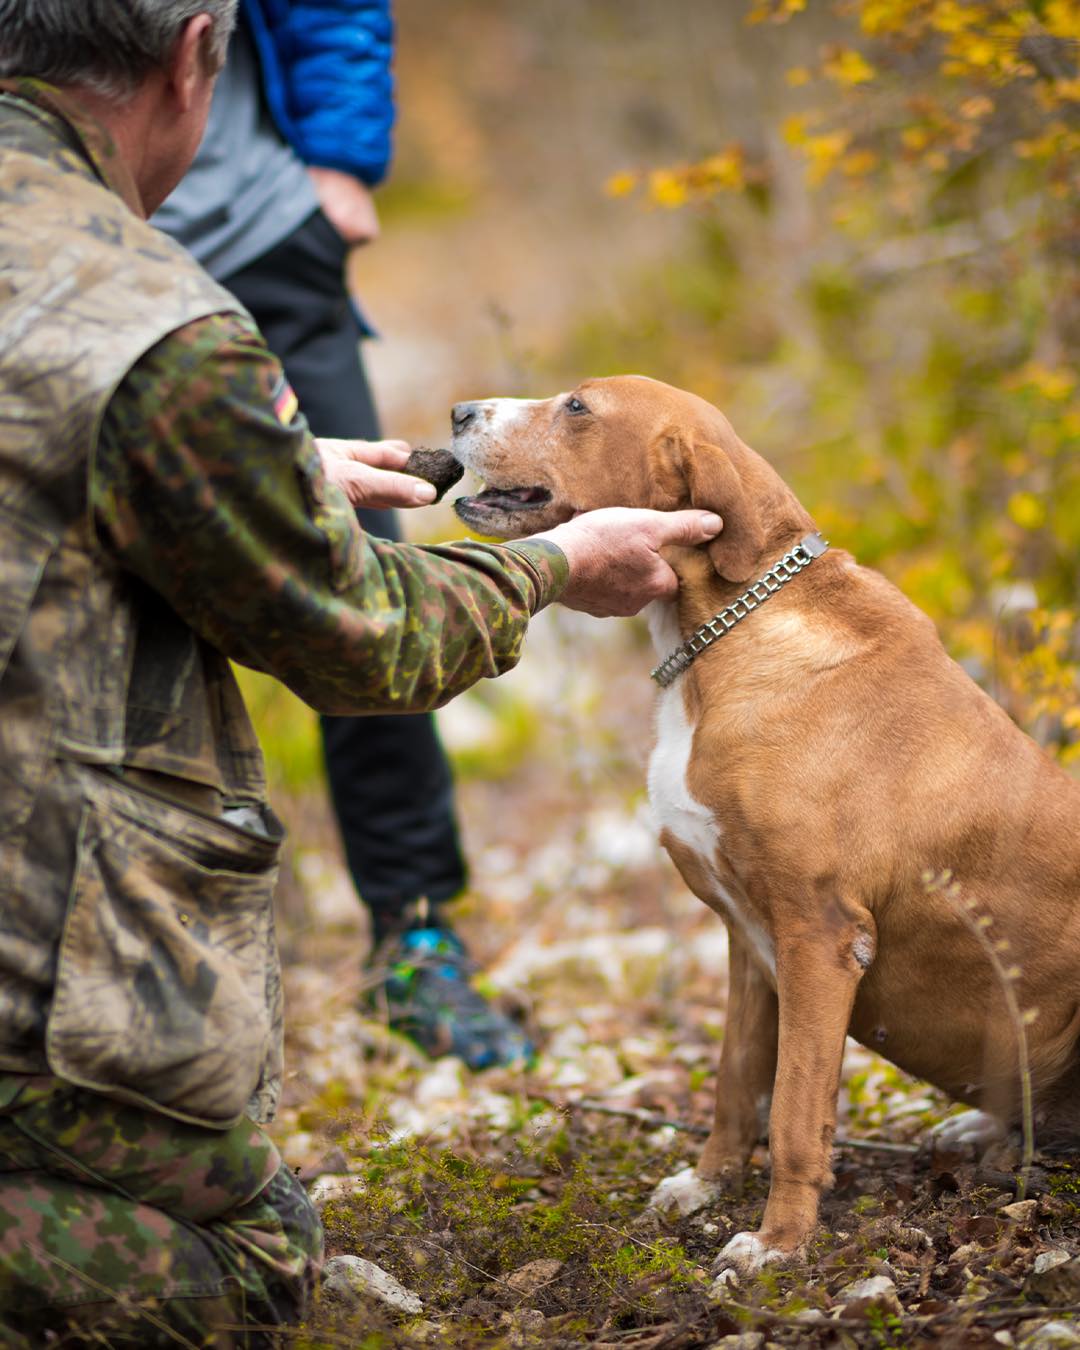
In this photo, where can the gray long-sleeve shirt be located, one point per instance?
(247, 190)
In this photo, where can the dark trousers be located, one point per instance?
(389, 777)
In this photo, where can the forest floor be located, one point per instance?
(513, 1204)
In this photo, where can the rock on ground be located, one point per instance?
(351, 1279)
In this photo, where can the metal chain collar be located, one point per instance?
(790, 565)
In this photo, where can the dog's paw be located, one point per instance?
(974, 1130)
(685, 1191)
(745, 1254)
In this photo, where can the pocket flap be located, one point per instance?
(167, 986)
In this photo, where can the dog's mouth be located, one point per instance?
(507, 499)
(504, 510)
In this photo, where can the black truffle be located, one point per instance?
(437, 467)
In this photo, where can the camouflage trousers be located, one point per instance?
(128, 1228)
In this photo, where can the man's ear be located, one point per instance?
(190, 62)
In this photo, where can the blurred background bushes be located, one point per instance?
(852, 225)
(899, 331)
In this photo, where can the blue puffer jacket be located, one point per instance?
(326, 69)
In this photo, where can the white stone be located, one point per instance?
(1052, 1336)
(725, 1283)
(1020, 1212)
(334, 1186)
(443, 1082)
(350, 1279)
(534, 1275)
(878, 1290)
(1057, 1256)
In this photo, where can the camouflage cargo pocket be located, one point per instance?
(167, 986)
(24, 551)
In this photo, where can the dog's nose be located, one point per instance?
(461, 415)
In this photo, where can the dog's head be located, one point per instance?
(622, 441)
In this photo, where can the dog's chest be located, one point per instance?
(675, 808)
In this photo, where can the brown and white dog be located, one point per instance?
(810, 770)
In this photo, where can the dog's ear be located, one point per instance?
(687, 467)
(716, 485)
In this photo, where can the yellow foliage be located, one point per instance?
(725, 170)
(978, 52)
(1062, 19)
(824, 153)
(976, 107)
(951, 17)
(846, 66)
(879, 17)
(915, 138)
(1052, 142)
(1027, 510)
(1052, 382)
(668, 188)
(621, 184)
(794, 129)
(775, 11)
(859, 163)
(943, 329)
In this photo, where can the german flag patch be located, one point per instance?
(286, 404)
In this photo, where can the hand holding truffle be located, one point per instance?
(386, 474)
(375, 473)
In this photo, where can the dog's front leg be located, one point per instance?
(744, 1082)
(818, 969)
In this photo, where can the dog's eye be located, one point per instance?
(575, 405)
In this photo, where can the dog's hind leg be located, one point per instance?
(744, 1083)
(818, 968)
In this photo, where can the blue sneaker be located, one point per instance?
(430, 998)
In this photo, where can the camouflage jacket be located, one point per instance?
(157, 516)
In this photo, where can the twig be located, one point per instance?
(655, 1122)
(642, 1116)
(987, 1310)
(877, 1146)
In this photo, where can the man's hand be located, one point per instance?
(614, 556)
(347, 204)
(366, 472)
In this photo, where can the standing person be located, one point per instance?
(299, 135)
(162, 512)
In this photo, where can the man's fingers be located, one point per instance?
(365, 485)
(389, 454)
(687, 527)
(666, 581)
(615, 555)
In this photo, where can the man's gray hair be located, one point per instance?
(109, 46)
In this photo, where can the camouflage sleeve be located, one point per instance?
(206, 486)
